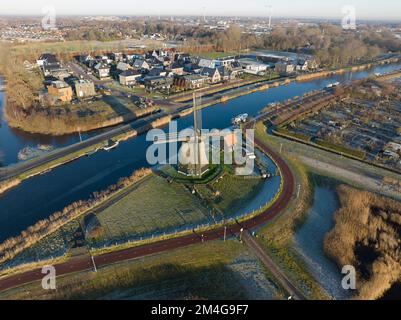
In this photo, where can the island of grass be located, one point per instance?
(165, 204)
(154, 207)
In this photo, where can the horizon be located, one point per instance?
(308, 9)
(301, 18)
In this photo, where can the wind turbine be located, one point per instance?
(270, 7)
(204, 14)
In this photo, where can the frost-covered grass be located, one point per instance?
(55, 245)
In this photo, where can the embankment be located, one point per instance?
(328, 73)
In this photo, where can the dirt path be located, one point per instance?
(368, 182)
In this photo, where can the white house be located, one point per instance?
(252, 66)
(141, 64)
(284, 68)
(129, 77)
(207, 63)
(102, 70)
(122, 66)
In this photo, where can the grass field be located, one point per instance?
(229, 193)
(110, 107)
(154, 206)
(80, 46)
(198, 271)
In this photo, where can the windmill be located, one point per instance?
(193, 156)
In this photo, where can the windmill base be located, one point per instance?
(190, 171)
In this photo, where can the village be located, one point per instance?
(160, 73)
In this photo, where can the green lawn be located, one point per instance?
(153, 206)
(230, 192)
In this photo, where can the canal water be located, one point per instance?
(38, 197)
(310, 237)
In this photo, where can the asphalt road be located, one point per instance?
(84, 263)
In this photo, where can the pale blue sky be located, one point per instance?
(371, 9)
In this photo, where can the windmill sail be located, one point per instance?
(193, 154)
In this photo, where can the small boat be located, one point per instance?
(88, 154)
(242, 118)
(111, 145)
(332, 85)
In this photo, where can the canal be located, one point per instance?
(38, 197)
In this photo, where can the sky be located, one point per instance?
(365, 9)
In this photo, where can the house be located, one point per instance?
(102, 70)
(158, 54)
(158, 83)
(166, 61)
(48, 59)
(141, 64)
(86, 59)
(225, 62)
(236, 69)
(302, 65)
(191, 81)
(253, 67)
(213, 74)
(157, 72)
(122, 66)
(117, 56)
(177, 69)
(55, 71)
(84, 89)
(206, 63)
(51, 67)
(192, 68)
(225, 74)
(60, 91)
(182, 58)
(129, 77)
(284, 68)
(105, 59)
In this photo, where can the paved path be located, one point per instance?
(273, 268)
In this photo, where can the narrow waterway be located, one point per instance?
(310, 237)
(13, 140)
(40, 196)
